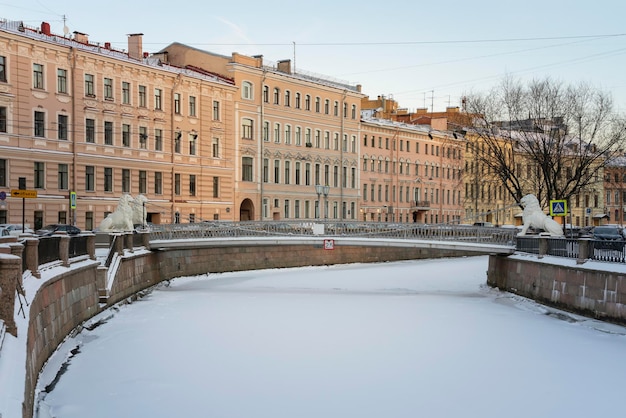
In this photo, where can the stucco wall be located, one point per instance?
(595, 293)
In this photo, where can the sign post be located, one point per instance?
(24, 194)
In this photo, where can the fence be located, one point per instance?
(581, 249)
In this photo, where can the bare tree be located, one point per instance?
(544, 137)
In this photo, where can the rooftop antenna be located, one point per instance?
(66, 30)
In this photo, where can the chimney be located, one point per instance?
(83, 38)
(284, 66)
(45, 28)
(135, 46)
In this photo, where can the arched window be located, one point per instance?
(247, 91)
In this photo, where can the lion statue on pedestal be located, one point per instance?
(122, 218)
(534, 216)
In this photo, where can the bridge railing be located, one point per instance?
(408, 231)
(581, 249)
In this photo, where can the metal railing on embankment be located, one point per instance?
(581, 249)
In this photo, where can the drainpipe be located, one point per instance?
(72, 59)
(341, 179)
(172, 146)
(261, 144)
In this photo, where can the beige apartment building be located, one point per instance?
(293, 130)
(410, 173)
(83, 119)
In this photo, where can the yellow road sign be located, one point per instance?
(25, 194)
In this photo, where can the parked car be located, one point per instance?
(611, 237)
(484, 224)
(15, 229)
(4, 232)
(54, 228)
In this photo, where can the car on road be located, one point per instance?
(54, 228)
(4, 232)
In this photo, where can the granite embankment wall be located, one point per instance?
(593, 293)
(63, 303)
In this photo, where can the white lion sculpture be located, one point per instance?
(534, 216)
(139, 211)
(122, 218)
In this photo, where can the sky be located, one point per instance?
(401, 339)
(423, 55)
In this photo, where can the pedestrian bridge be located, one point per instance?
(483, 240)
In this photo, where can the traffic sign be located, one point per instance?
(24, 194)
(3, 195)
(72, 200)
(558, 208)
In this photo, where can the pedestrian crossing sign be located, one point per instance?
(558, 208)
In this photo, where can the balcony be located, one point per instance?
(421, 205)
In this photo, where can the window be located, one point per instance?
(108, 179)
(158, 182)
(90, 176)
(192, 105)
(326, 107)
(125, 92)
(192, 185)
(266, 94)
(125, 180)
(143, 137)
(192, 143)
(277, 133)
(216, 110)
(108, 88)
(61, 80)
(317, 105)
(37, 76)
(63, 177)
(276, 95)
(177, 139)
(3, 69)
(298, 172)
(266, 169)
(62, 127)
(142, 96)
(177, 103)
(266, 131)
(126, 135)
(307, 174)
(246, 129)
(216, 187)
(298, 98)
(336, 108)
(247, 91)
(40, 124)
(215, 148)
(89, 86)
(143, 181)
(307, 102)
(158, 99)
(276, 171)
(3, 119)
(39, 175)
(353, 111)
(288, 134)
(158, 140)
(246, 168)
(287, 98)
(177, 184)
(3, 173)
(298, 135)
(287, 171)
(108, 133)
(90, 130)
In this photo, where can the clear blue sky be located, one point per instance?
(422, 54)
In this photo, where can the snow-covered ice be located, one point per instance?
(403, 339)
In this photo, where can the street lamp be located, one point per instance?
(318, 189)
(323, 190)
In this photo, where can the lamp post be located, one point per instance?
(318, 189)
(325, 190)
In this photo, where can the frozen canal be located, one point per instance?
(407, 339)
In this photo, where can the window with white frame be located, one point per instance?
(61, 80)
(247, 90)
(38, 76)
(247, 128)
(90, 89)
(108, 88)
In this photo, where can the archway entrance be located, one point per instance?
(246, 210)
